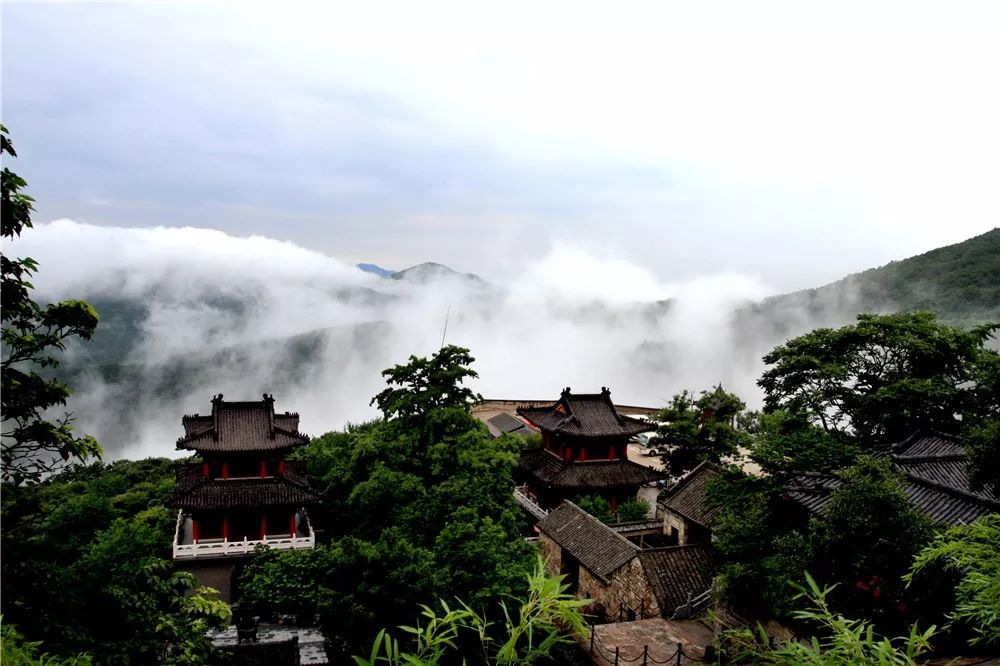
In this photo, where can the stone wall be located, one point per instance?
(551, 553)
(214, 573)
(627, 589)
(672, 520)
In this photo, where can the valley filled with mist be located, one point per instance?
(187, 313)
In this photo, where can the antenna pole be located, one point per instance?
(445, 332)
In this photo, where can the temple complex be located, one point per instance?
(584, 452)
(240, 490)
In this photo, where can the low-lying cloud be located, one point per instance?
(214, 313)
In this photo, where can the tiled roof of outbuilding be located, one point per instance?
(555, 472)
(505, 423)
(937, 482)
(584, 415)
(597, 547)
(676, 571)
(688, 497)
(241, 426)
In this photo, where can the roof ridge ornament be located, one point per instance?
(216, 405)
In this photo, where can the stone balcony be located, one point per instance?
(187, 548)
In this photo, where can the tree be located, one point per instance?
(697, 430)
(31, 445)
(879, 380)
(867, 537)
(786, 442)
(545, 620)
(417, 505)
(972, 552)
(426, 384)
(85, 567)
(981, 433)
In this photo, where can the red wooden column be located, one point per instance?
(225, 470)
(194, 530)
(291, 525)
(263, 468)
(281, 467)
(225, 527)
(614, 504)
(263, 525)
(204, 469)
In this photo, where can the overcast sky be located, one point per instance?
(788, 143)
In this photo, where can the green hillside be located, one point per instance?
(960, 283)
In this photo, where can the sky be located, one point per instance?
(789, 143)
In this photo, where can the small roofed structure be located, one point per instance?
(241, 491)
(623, 580)
(504, 423)
(584, 451)
(936, 481)
(687, 514)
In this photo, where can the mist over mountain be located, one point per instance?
(188, 313)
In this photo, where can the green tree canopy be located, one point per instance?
(878, 380)
(693, 431)
(32, 445)
(417, 506)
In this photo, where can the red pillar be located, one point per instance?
(583, 453)
(194, 529)
(225, 528)
(614, 504)
(281, 467)
(263, 525)
(225, 470)
(263, 468)
(204, 469)
(291, 526)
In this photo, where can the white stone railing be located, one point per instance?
(224, 548)
(529, 503)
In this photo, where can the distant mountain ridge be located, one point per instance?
(429, 270)
(375, 269)
(960, 283)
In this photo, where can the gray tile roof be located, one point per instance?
(505, 423)
(241, 426)
(688, 496)
(551, 470)
(597, 547)
(937, 482)
(584, 415)
(676, 571)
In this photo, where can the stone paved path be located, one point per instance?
(658, 635)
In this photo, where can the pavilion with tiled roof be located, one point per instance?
(584, 451)
(241, 490)
(936, 481)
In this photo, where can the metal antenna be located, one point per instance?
(445, 332)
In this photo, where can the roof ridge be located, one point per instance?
(604, 526)
(663, 549)
(952, 491)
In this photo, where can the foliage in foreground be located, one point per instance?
(15, 651)
(548, 618)
(838, 640)
(973, 552)
(33, 446)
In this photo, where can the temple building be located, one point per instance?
(584, 452)
(240, 490)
